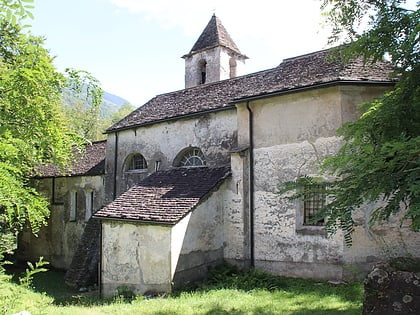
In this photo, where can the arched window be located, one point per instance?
(203, 71)
(190, 158)
(136, 162)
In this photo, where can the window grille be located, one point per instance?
(313, 201)
(193, 157)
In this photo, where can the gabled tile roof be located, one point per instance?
(215, 34)
(88, 163)
(165, 196)
(305, 71)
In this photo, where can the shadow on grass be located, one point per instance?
(52, 284)
(229, 277)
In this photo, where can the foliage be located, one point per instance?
(230, 277)
(14, 11)
(379, 162)
(82, 104)
(32, 131)
(375, 27)
(124, 110)
(27, 278)
(125, 293)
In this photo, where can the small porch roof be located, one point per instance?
(165, 197)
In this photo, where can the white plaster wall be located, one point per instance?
(205, 227)
(297, 117)
(236, 228)
(380, 241)
(201, 244)
(292, 134)
(280, 246)
(178, 234)
(135, 256)
(210, 133)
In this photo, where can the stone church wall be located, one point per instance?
(214, 134)
(58, 241)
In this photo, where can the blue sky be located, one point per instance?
(134, 47)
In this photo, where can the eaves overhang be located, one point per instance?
(138, 221)
(311, 87)
(177, 117)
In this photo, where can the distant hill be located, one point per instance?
(111, 104)
(108, 97)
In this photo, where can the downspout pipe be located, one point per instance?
(114, 181)
(251, 186)
(100, 281)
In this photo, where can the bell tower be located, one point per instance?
(214, 56)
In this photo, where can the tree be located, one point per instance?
(124, 110)
(380, 158)
(31, 126)
(81, 103)
(33, 130)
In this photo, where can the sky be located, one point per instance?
(134, 47)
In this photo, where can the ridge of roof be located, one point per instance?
(213, 35)
(166, 196)
(309, 70)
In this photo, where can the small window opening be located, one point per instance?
(157, 166)
(203, 72)
(313, 201)
(73, 206)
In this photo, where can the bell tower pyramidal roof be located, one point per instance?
(214, 56)
(215, 34)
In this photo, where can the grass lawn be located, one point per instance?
(227, 292)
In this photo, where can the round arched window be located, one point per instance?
(192, 157)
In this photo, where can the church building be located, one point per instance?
(191, 178)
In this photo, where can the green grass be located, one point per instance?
(227, 292)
